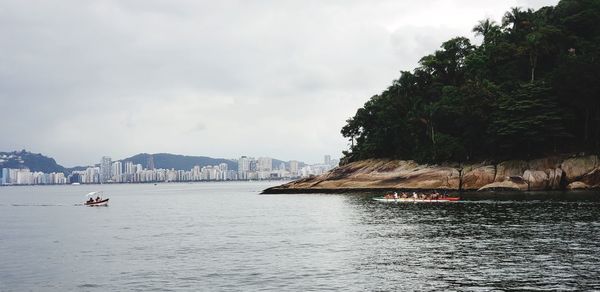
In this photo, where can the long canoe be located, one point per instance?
(408, 200)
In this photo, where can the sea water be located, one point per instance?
(227, 237)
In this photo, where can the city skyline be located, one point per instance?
(126, 171)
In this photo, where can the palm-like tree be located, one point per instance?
(488, 29)
(484, 27)
(516, 18)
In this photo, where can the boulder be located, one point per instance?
(507, 169)
(576, 167)
(592, 178)
(577, 185)
(478, 177)
(536, 179)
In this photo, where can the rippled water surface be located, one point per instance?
(224, 236)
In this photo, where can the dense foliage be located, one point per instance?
(531, 88)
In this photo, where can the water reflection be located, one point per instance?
(490, 241)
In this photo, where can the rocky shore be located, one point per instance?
(551, 173)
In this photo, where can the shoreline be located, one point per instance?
(283, 191)
(561, 172)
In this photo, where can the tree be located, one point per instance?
(530, 88)
(488, 29)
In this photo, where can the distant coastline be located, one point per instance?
(143, 183)
(26, 168)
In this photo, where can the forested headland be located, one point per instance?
(531, 88)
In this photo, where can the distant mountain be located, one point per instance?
(39, 162)
(33, 161)
(179, 162)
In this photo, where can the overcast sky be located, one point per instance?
(82, 79)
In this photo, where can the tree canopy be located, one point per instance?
(531, 88)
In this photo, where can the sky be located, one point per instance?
(84, 79)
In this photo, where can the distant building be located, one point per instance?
(294, 168)
(5, 179)
(105, 169)
(265, 164)
(129, 169)
(24, 177)
(150, 162)
(243, 167)
(116, 171)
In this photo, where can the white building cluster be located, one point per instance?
(24, 176)
(108, 171)
(319, 168)
(128, 172)
(262, 168)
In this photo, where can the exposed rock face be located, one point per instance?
(508, 169)
(576, 167)
(549, 173)
(390, 174)
(592, 178)
(478, 177)
(536, 180)
(577, 185)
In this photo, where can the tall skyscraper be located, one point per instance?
(243, 167)
(117, 170)
(151, 162)
(5, 178)
(265, 164)
(129, 169)
(105, 169)
(243, 164)
(294, 167)
(223, 167)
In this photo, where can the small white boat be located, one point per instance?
(408, 200)
(95, 202)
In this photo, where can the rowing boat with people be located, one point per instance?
(414, 197)
(441, 200)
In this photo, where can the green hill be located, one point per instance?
(33, 161)
(180, 162)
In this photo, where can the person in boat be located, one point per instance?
(415, 196)
(404, 195)
(91, 200)
(395, 196)
(98, 199)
